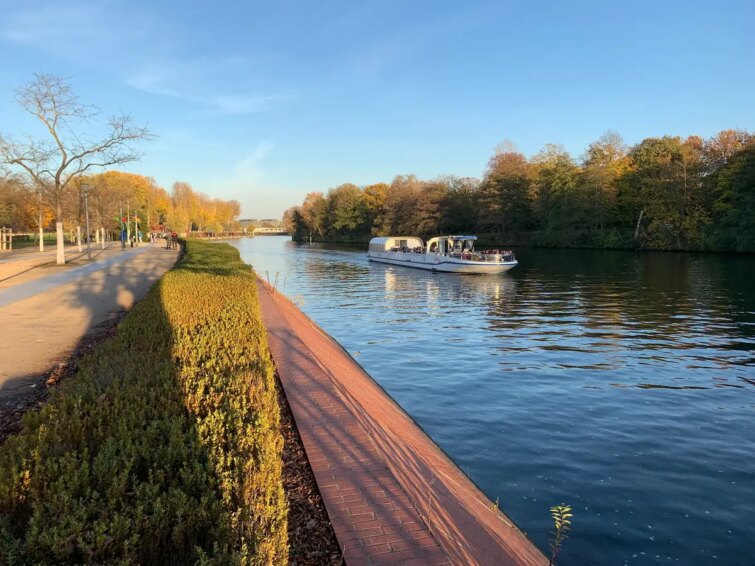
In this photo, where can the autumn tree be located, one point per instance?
(604, 163)
(291, 221)
(182, 199)
(21, 207)
(719, 149)
(11, 199)
(732, 187)
(431, 208)
(556, 199)
(662, 190)
(65, 152)
(402, 203)
(314, 212)
(346, 210)
(374, 197)
(505, 194)
(462, 207)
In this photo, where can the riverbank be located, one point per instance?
(390, 492)
(491, 241)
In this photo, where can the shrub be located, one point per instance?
(165, 448)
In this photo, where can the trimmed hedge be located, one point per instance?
(165, 448)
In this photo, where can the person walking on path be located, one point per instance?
(123, 239)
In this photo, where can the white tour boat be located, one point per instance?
(454, 254)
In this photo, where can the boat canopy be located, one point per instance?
(446, 244)
(385, 244)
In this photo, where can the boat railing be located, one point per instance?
(492, 256)
(498, 256)
(406, 250)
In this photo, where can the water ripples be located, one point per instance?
(621, 383)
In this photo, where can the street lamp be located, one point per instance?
(85, 190)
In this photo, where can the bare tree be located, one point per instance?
(54, 161)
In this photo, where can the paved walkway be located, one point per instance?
(393, 497)
(26, 252)
(29, 263)
(44, 314)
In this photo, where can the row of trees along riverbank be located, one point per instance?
(664, 193)
(47, 174)
(113, 195)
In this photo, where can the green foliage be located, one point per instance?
(664, 193)
(165, 448)
(732, 189)
(346, 208)
(561, 515)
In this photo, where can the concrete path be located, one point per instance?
(27, 252)
(393, 496)
(23, 265)
(43, 319)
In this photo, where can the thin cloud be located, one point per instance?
(152, 84)
(75, 30)
(101, 34)
(406, 42)
(250, 167)
(245, 104)
(179, 79)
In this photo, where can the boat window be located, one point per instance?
(403, 244)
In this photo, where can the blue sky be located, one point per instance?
(266, 101)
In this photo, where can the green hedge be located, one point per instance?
(165, 448)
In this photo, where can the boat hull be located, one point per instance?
(442, 263)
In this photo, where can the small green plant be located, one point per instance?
(274, 284)
(562, 525)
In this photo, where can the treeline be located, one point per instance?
(664, 193)
(114, 195)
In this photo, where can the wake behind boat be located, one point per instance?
(452, 254)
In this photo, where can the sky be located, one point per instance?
(267, 101)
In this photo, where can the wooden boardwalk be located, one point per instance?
(393, 497)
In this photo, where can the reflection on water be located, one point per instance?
(621, 383)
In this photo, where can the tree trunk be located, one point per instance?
(639, 220)
(41, 228)
(78, 237)
(60, 256)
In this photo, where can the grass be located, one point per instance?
(25, 241)
(165, 448)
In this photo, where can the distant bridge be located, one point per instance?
(269, 232)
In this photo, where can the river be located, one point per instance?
(621, 383)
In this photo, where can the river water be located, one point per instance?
(621, 383)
